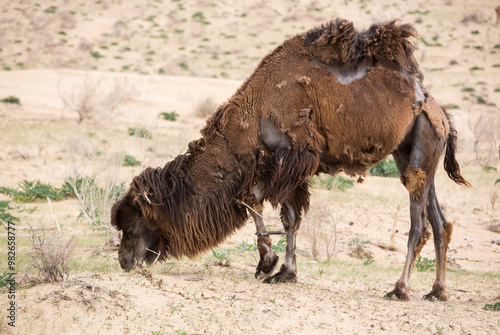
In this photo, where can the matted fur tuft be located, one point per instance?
(286, 171)
(339, 43)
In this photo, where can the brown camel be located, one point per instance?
(329, 100)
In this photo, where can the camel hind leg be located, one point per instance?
(417, 159)
(442, 230)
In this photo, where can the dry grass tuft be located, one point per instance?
(205, 108)
(50, 254)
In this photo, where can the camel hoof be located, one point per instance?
(283, 276)
(433, 296)
(279, 278)
(396, 295)
(270, 264)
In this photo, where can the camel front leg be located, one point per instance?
(268, 258)
(288, 270)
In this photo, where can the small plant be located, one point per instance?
(6, 280)
(476, 68)
(367, 261)
(419, 12)
(489, 168)
(386, 168)
(480, 100)
(496, 181)
(51, 10)
(430, 44)
(439, 329)
(155, 332)
(468, 89)
(356, 241)
(333, 182)
(424, 264)
(4, 214)
(96, 54)
(222, 254)
(172, 116)
(130, 161)
(453, 106)
(280, 246)
(180, 332)
(173, 308)
(492, 307)
(273, 300)
(245, 246)
(11, 100)
(141, 132)
(321, 272)
(198, 16)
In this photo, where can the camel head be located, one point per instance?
(138, 241)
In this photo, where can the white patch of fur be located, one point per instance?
(344, 77)
(419, 95)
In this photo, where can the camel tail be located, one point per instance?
(450, 162)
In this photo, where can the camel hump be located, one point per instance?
(338, 43)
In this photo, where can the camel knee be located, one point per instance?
(414, 181)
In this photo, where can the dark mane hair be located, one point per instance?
(170, 203)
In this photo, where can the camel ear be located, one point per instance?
(123, 212)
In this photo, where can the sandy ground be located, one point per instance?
(136, 60)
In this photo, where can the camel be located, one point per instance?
(330, 100)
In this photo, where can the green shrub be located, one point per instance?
(141, 132)
(28, 191)
(221, 254)
(386, 168)
(11, 100)
(4, 214)
(424, 264)
(172, 116)
(6, 280)
(130, 161)
(248, 247)
(96, 54)
(336, 182)
(51, 10)
(280, 246)
(492, 307)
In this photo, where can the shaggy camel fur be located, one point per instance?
(329, 100)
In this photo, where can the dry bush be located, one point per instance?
(322, 230)
(96, 192)
(90, 98)
(205, 108)
(50, 254)
(484, 126)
